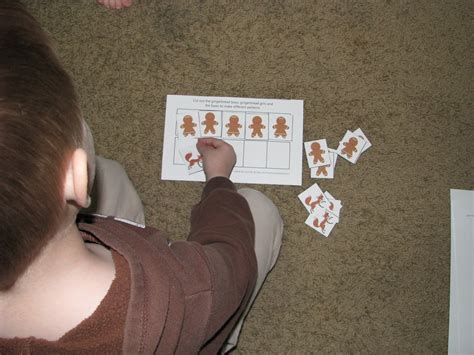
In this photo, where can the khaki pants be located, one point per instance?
(113, 194)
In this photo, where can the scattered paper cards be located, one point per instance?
(322, 159)
(324, 209)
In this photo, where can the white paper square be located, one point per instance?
(278, 155)
(255, 154)
(362, 135)
(335, 205)
(191, 157)
(239, 151)
(178, 160)
(317, 153)
(322, 221)
(313, 197)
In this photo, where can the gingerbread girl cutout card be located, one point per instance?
(280, 127)
(351, 146)
(317, 153)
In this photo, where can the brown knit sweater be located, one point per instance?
(183, 298)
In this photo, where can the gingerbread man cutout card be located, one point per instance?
(326, 171)
(233, 125)
(187, 124)
(210, 123)
(317, 153)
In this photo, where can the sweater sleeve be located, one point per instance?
(222, 223)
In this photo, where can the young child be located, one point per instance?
(102, 284)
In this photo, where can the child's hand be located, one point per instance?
(218, 157)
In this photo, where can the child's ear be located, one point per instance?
(75, 187)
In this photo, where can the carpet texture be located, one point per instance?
(401, 70)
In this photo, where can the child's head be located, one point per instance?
(40, 127)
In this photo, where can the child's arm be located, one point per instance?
(222, 228)
(222, 223)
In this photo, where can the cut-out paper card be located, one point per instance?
(210, 123)
(191, 157)
(335, 205)
(350, 148)
(317, 153)
(322, 221)
(326, 171)
(187, 124)
(313, 197)
(361, 134)
(233, 125)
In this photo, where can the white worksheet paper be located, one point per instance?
(461, 310)
(266, 134)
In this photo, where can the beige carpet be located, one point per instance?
(401, 70)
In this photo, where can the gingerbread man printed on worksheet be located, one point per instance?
(257, 126)
(350, 147)
(188, 126)
(233, 126)
(280, 127)
(317, 153)
(210, 122)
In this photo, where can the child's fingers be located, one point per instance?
(209, 141)
(205, 145)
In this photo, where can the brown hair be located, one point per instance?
(40, 126)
